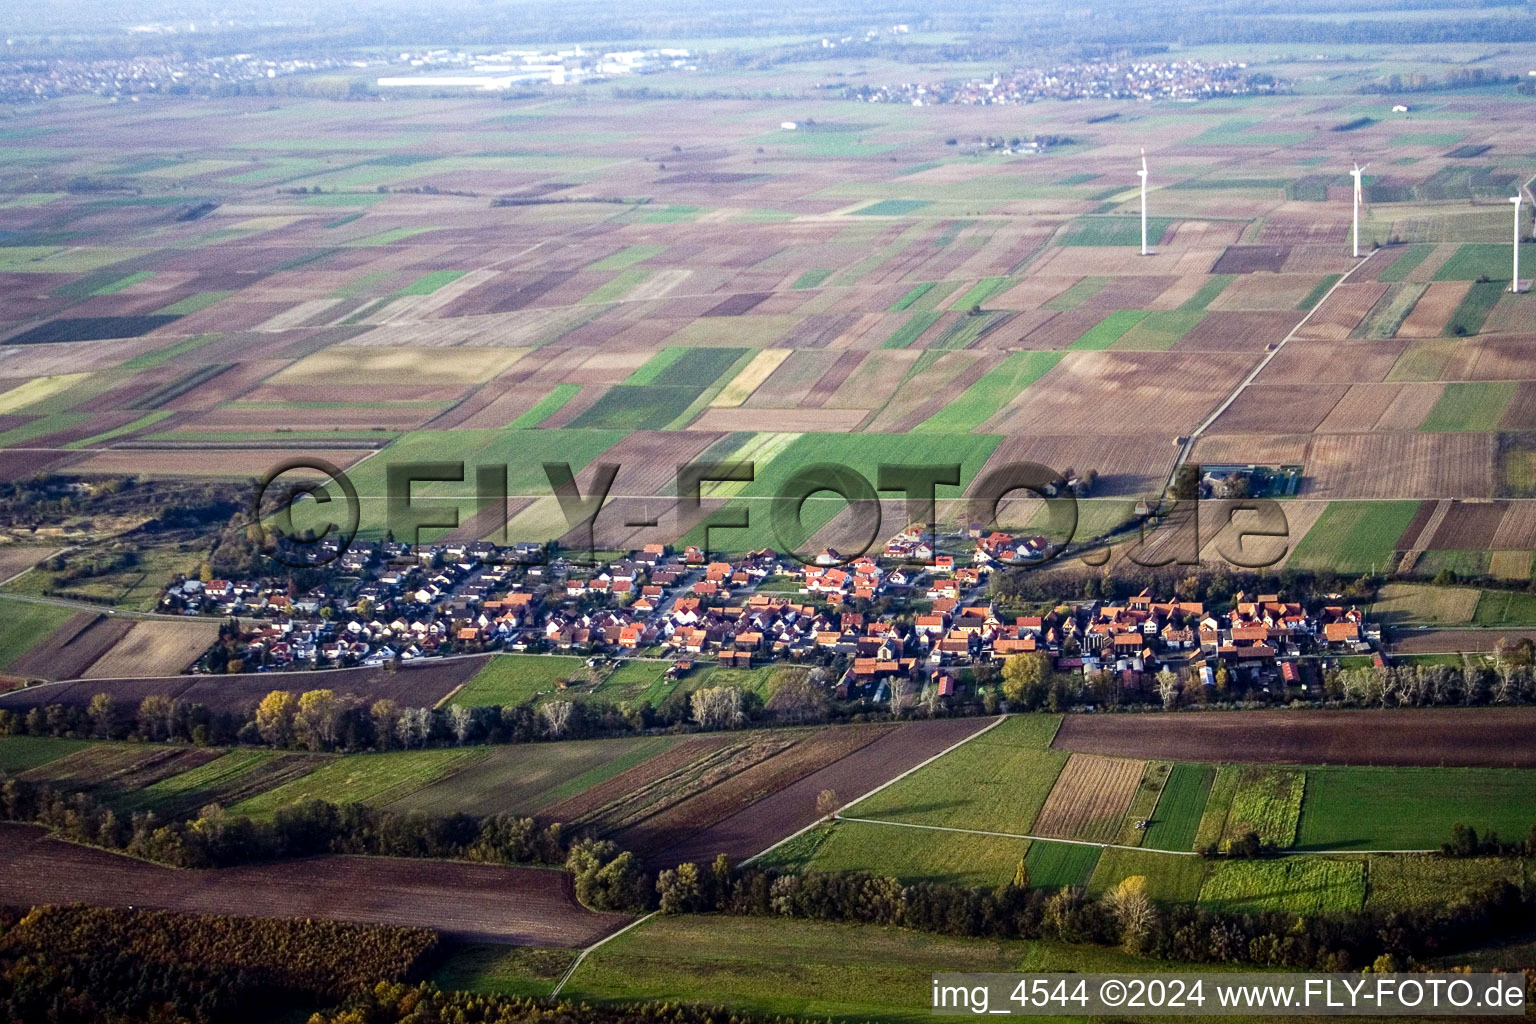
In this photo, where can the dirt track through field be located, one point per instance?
(481, 902)
(1454, 737)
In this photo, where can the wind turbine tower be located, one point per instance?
(1142, 174)
(1358, 170)
(1514, 284)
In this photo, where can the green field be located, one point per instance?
(1354, 536)
(1107, 331)
(808, 969)
(1303, 885)
(1505, 608)
(1159, 330)
(26, 624)
(364, 778)
(627, 407)
(431, 282)
(526, 971)
(892, 208)
(1388, 314)
(1176, 820)
(1412, 808)
(978, 293)
(1202, 299)
(545, 407)
(1114, 231)
(1396, 883)
(1313, 297)
(1267, 801)
(996, 782)
(1490, 259)
(511, 679)
(1474, 309)
(983, 399)
(916, 326)
(627, 257)
(1470, 405)
(1218, 803)
(1054, 865)
(1170, 878)
(920, 855)
(23, 753)
(1406, 263)
(1078, 293)
(179, 789)
(526, 777)
(682, 367)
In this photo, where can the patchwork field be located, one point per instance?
(815, 291)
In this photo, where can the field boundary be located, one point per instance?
(999, 720)
(1105, 846)
(583, 954)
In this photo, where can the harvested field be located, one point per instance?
(1249, 259)
(1443, 641)
(1276, 408)
(1345, 362)
(1469, 524)
(1467, 737)
(793, 806)
(73, 648)
(109, 768)
(591, 800)
(1342, 311)
(1361, 406)
(482, 902)
(227, 780)
(679, 823)
(155, 648)
(515, 780)
(1090, 798)
(17, 558)
(413, 686)
(1442, 465)
(1131, 391)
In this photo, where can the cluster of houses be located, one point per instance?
(1085, 80)
(909, 613)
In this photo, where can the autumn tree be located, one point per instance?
(1024, 677)
(274, 717)
(386, 716)
(316, 719)
(1134, 909)
(100, 714)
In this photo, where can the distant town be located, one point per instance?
(1089, 80)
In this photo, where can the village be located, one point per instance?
(907, 619)
(1184, 80)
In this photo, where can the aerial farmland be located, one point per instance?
(802, 500)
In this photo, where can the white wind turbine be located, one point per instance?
(1142, 174)
(1356, 174)
(1514, 284)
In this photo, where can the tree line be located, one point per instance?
(606, 877)
(1124, 917)
(84, 965)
